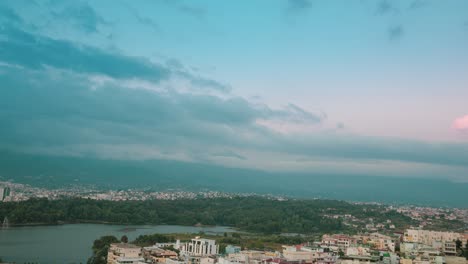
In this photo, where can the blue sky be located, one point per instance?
(364, 87)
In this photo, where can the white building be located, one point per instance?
(199, 247)
(175, 245)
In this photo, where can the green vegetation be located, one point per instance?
(100, 248)
(252, 214)
(445, 224)
(148, 240)
(465, 251)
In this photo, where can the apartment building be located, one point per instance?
(339, 240)
(123, 253)
(428, 237)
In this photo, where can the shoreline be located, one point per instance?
(112, 223)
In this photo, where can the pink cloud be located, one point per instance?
(461, 123)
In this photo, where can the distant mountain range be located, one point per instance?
(55, 171)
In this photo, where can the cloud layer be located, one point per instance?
(60, 97)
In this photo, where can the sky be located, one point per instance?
(362, 87)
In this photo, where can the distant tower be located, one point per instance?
(6, 223)
(4, 193)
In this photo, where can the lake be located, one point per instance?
(72, 243)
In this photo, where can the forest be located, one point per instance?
(253, 214)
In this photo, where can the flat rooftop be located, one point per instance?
(124, 245)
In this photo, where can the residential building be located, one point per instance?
(358, 251)
(450, 248)
(120, 253)
(428, 237)
(339, 240)
(158, 255)
(294, 253)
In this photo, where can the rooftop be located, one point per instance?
(124, 245)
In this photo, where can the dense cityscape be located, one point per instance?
(23, 192)
(414, 246)
(374, 239)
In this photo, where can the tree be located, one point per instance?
(466, 250)
(100, 248)
(341, 253)
(148, 240)
(459, 244)
(124, 239)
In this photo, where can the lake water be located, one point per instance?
(72, 243)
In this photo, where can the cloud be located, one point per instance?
(146, 21)
(461, 123)
(53, 112)
(19, 47)
(194, 11)
(395, 32)
(80, 108)
(374, 148)
(295, 114)
(299, 5)
(9, 15)
(385, 7)
(417, 4)
(36, 52)
(81, 15)
(201, 82)
(229, 154)
(190, 10)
